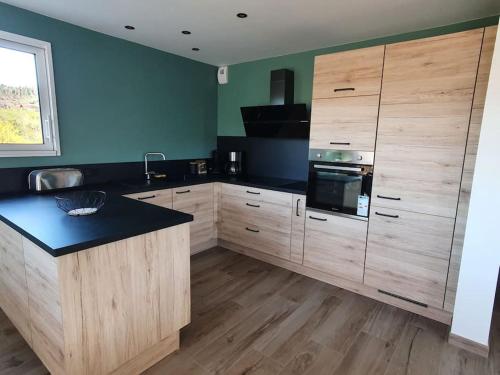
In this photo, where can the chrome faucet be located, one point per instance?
(146, 171)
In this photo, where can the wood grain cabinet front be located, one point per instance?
(408, 255)
(298, 228)
(197, 200)
(161, 198)
(335, 245)
(344, 123)
(350, 73)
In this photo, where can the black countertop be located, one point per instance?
(37, 217)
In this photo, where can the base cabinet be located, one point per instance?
(335, 245)
(408, 255)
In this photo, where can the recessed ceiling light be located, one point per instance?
(195, 49)
(186, 32)
(242, 15)
(128, 27)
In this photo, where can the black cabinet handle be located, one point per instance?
(148, 197)
(387, 215)
(183, 192)
(390, 198)
(297, 208)
(340, 143)
(253, 192)
(344, 89)
(253, 205)
(252, 230)
(317, 218)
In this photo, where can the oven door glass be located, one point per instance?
(337, 190)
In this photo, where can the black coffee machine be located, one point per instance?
(234, 165)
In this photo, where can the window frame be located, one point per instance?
(46, 95)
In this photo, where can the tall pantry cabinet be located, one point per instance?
(426, 99)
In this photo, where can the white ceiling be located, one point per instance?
(273, 27)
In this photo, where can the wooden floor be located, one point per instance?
(253, 318)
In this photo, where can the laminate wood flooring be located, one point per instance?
(252, 318)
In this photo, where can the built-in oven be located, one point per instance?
(340, 182)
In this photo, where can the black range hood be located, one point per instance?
(282, 119)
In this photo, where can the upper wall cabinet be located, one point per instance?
(344, 123)
(350, 73)
(426, 101)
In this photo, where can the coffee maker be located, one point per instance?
(234, 165)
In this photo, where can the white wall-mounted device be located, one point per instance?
(222, 75)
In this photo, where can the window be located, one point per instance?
(28, 115)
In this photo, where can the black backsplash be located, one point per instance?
(270, 157)
(14, 180)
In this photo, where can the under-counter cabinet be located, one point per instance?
(198, 200)
(161, 198)
(298, 228)
(335, 245)
(256, 218)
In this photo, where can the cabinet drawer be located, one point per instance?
(260, 195)
(417, 179)
(257, 237)
(344, 123)
(192, 199)
(161, 198)
(256, 213)
(349, 73)
(335, 245)
(408, 254)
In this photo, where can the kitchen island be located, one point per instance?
(107, 293)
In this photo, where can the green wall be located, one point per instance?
(118, 99)
(249, 82)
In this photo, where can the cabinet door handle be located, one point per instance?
(252, 230)
(297, 208)
(148, 197)
(390, 198)
(253, 192)
(387, 215)
(253, 205)
(341, 143)
(183, 192)
(344, 89)
(317, 218)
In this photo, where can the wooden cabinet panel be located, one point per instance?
(483, 73)
(261, 195)
(161, 198)
(417, 179)
(335, 245)
(14, 288)
(344, 123)
(262, 238)
(298, 228)
(256, 213)
(197, 200)
(408, 253)
(440, 69)
(469, 164)
(350, 73)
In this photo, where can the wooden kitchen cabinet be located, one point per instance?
(259, 219)
(13, 284)
(407, 255)
(161, 198)
(198, 200)
(426, 101)
(298, 228)
(350, 73)
(344, 123)
(335, 245)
